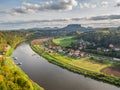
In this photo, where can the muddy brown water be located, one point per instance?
(53, 77)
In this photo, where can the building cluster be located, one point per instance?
(84, 44)
(110, 48)
(52, 48)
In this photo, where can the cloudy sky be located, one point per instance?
(15, 14)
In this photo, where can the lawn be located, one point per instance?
(64, 41)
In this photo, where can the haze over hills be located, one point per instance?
(74, 27)
(71, 27)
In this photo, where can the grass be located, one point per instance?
(9, 52)
(87, 65)
(64, 41)
(83, 63)
(103, 31)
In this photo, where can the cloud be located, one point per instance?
(84, 5)
(87, 5)
(98, 18)
(61, 5)
(117, 1)
(104, 4)
(105, 17)
(63, 20)
(97, 21)
(78, 19)
(35, 21)
(90, 5)
(117, 5)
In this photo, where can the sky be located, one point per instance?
(17, 14)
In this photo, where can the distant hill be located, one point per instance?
(79, 27)
(69, 28)
(73, 27)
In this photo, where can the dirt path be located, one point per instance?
(113, 71)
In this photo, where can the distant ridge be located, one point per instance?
(73, 27)
(77, 27)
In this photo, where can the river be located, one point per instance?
(52, 77)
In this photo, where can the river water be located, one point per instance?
(52, 77)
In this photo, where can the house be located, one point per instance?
(58, 47)
(77, 52)
(60, 50)
(50, 46)
(116, 59)
(111, 45)
(5, 48)
(106, 50)
(99, 49)
(70, 54)
(82, 54)
(54, 48)
(81, 47)
(117, 49)
(1, 56)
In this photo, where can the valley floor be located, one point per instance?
(82, 66)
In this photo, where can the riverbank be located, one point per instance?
(12, 77)
(66, 64)
(11, 49)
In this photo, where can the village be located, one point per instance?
(50, 47)
(92, 45)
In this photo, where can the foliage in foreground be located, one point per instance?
(11, 76)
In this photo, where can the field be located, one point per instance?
(87, 65)
(83, 63)
(64, 41)
(113, 71)
(103, 31)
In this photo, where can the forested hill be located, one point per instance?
(101, 37)
(11, 38)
